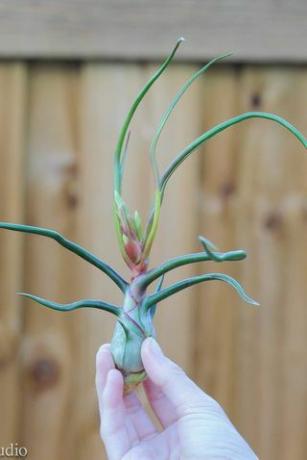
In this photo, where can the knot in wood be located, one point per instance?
(71, 194)
(44, 373)
(273, 221)
(227, 189)
(255, 100)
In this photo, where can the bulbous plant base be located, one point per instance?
(133, 326)
(131, 381)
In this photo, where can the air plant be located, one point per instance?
(134, 319)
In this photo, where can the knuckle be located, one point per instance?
(205, 407)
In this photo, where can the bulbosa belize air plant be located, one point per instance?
(134, 319)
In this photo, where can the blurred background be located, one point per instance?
(69, 71)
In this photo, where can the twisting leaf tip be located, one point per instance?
(123, 132)
(207, 244)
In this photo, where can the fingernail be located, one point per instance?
(105, 347)
(154, 348)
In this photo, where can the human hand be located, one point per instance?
(194, 425)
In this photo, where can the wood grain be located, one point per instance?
(13, 84)
(217, 304)
(47, 349)
(117, 29)
(254, 193)
(270, 224)
(244, 189)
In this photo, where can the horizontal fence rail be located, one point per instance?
(255, 31)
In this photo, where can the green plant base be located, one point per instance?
(131, 381)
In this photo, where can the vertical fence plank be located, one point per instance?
(270, 216)
(47, 355)
(254, 186)
(218, 304)
(13, 77)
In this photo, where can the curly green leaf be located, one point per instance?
(211, 250)
(87, 303)
(71, 246)
(176, 287)
(186, 259)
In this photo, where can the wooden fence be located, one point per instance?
(247, 188)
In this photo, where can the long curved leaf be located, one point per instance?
(187, 259)
(125, 127)
(71, 246)
(87, 303)
(169, 110)
(176, 287)
(220, 127)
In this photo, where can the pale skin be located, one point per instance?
(194, 425)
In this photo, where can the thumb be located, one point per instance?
(173, 381)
